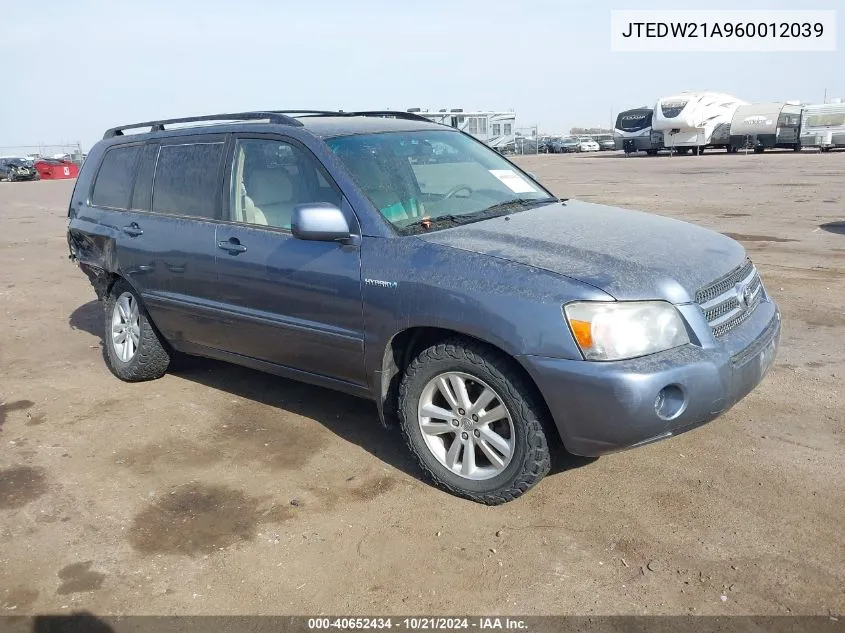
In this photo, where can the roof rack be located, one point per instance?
(410, 116)
(158, 126)
(396, 114)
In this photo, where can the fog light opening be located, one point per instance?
(670, 402)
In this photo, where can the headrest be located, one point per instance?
(270, 186)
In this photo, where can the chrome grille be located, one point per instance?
(721, 302)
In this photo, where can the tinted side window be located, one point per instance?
(142, 193)
(187, 179)
(114, 180)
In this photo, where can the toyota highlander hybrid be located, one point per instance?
(383, 255)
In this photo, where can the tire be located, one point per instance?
(150, 358)
(796, 147)
(522, 429)
(759, 150)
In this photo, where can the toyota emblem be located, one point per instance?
(743, 295)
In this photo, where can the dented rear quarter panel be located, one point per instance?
(92, 233)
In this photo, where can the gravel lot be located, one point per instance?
(221, 490)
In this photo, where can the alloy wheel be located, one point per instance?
(466, 425)
(126, 327)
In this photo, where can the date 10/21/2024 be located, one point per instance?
(418, 623)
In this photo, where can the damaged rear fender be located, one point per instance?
(96, 256)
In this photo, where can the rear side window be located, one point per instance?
(187, 179)
(114, 180)
(142, 193)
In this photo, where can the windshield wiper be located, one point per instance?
(522, 203)
(453, 220)
(498, 209)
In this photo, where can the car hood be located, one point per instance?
(628, 254)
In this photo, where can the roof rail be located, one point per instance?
(309, 112)
(410, 116)
(158, 126)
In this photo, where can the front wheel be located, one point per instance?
(133, 350)
(473, 423)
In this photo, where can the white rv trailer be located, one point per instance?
(761, 125)
(495, 128)
(823, 125)
(633, 132)
(695, 120)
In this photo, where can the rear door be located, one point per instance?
(292, 302)
(166, 243)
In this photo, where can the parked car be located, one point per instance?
(478, 311)
(587, 144)
(567, 144)
(607, 144)
(16, 169)
(56, 169)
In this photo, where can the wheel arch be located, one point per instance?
(406, 344)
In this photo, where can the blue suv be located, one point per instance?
(400, 260)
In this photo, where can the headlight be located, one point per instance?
(625, 329)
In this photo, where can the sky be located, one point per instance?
(72, 69)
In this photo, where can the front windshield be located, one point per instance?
(417, 178)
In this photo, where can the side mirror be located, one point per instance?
(319, 222)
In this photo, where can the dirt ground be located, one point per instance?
(219, 490)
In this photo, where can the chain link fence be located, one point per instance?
(64, 151)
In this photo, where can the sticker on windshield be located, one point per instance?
(513, 181)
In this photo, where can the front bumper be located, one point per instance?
(602, 407)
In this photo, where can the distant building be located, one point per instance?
(492, 127)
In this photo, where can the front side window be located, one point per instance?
(114, 180)
(417, 178)
(187, 179)
(270, 177)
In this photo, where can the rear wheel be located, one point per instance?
(133, 350)
(473, 423)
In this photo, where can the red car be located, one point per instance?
(55, 169)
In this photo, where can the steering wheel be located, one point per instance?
(451, 193)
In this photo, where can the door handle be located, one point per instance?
(233, 245)
(133, 230)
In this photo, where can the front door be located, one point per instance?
(290, 302)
